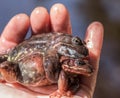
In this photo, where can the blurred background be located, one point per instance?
(82, 13)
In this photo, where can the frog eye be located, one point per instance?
(76, 41)
(79, 62)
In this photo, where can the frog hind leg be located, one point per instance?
(9, 72)
(32, 70)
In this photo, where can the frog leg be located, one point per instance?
(32, 70)
(52, 67)
(67, 86)
(63, 85)
(9, 72)
(74, 84)
(27, 71)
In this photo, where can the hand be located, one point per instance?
(58, 20)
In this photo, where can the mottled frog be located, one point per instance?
(47, 59)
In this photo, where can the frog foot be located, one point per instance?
(58, 94)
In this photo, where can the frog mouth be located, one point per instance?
(84, 69)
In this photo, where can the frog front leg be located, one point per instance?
(63, 85)
(67, 86)
(28, 71)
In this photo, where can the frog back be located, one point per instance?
(40, 43)
(36, 44)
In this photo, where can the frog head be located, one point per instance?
(77, 66)
(71, 46)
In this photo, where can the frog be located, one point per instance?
(47, 59)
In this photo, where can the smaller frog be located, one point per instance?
(69, 79)
(47, 59)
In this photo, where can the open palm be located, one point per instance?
(58, 21)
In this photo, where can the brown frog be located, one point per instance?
(47, 59)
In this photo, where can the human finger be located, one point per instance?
(94, 40)
(14, 32)
(60, 20)
(40, 20)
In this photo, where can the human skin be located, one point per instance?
(58, 20)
